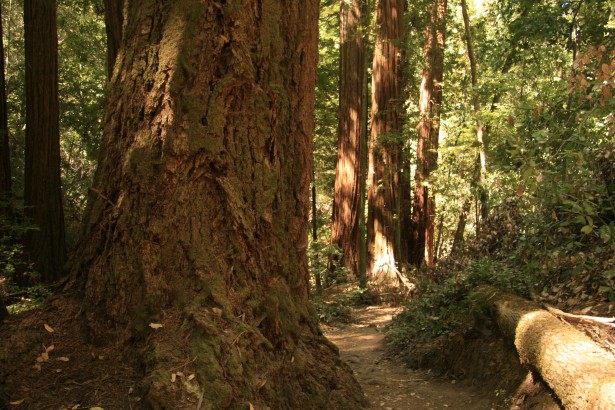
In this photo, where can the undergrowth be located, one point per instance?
(442, 307)
(339, 307)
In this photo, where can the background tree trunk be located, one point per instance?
(348, 202)
(318, 277)
(384, 146)
(423, 209)
(114, 20)
(198, 219)
(5, 158)
(42, 196)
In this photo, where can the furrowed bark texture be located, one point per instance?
(42, 196)
(384, 146)
(424, 208)
(199, 213)
(348, 202)
(581, 374)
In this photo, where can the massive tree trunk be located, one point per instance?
(5, 158)
(114, 21)
(384, 146)
(581, 374)
(199, 212)
(348, 201)
(423, 209)
(42, 196)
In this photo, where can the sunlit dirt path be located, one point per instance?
(387, 383)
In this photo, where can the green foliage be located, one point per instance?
(29, 297)
(14, 268)
(325, 137)
(442, 308)
(82, 83)
(546, 101)
(82, 89)
(340, 308)
(336, 311)
(19, 287)
(320, 253)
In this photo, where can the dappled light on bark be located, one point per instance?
(424, 207)
(348, 201)
(198, 219)
(384, 147)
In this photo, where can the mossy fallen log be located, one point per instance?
(580, 373)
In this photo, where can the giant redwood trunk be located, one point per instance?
(423, 209)
(42, 192)
(348, 201)
(199, 212)
(384, 146)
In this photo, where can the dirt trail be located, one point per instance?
(387, 383)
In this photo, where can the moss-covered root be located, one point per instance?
(226, 364)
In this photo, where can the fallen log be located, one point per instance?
(580, 373)
(600, 329)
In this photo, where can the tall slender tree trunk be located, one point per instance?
(480, 181)
(114, 21)
(364, 160)
(384, 146)
(476, 95)
(199, 214)
(405, 184)
(461, 227)
(5, 158)
(423, 209)
(42, 196)
(317, 274)
(348, 202)
(405, 205)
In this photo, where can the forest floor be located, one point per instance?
(386, 381)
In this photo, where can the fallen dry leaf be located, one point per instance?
(48, 328)
(63, 359)
(16, 402)
(155, 326)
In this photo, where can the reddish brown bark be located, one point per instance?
(348, 202)
(42, 196)
(423, 210)
(199, 213)
(384, 146)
